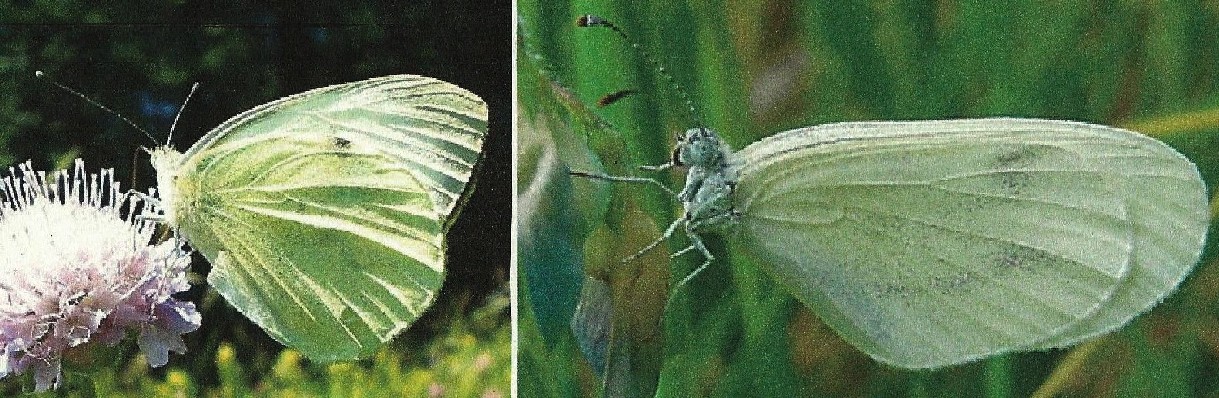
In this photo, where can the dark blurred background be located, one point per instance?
(140, 59)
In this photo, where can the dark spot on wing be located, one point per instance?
(1023, 259)
(340, 147)
(892, 290)
(1009, 158)
(953, 284)
(1014, 181)
(1013, 164)
(1017, 157)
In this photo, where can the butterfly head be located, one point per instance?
(699, 147)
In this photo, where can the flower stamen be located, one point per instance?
(77, 267)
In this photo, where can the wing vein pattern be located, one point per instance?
(323, 213)
(931, 243)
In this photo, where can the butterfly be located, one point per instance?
(931, 243)
(323, 214)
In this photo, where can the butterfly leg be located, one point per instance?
(157, 218)
(659, 167)
(643, 180)
(668, 233)
(141, 196)
(150, 200)
(696, 243)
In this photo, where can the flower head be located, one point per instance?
(76, 267)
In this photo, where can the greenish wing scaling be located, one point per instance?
(323, 213)
(434, 127)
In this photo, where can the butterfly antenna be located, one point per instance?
(135, 166)
(42, 75)
(596, 21)
(174, 125)
(547, 70)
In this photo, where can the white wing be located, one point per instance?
(932, 243)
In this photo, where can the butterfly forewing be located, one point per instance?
(933, 243)
(434, 127)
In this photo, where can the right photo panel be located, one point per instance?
(788, 199)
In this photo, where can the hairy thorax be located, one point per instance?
(167, 162)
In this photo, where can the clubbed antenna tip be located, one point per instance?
(589, 20)
(592, 20)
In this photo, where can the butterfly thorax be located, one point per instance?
(707, 196)
(167, 163)
(711, 208)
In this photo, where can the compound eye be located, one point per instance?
(695, 135)
(703, 133)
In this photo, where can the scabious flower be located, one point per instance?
(76, 267)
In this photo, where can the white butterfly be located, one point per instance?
(932, 243)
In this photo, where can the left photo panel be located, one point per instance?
(306, 200)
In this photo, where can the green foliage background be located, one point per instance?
(592, 325)
(140, 59)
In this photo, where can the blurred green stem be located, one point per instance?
(999, 377)
(1067, 370)
(1206, 119)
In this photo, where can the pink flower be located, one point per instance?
(76, 267)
